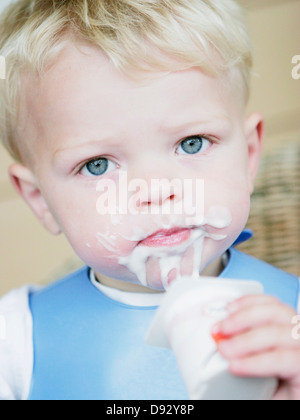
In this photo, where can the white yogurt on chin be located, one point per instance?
(170, 257)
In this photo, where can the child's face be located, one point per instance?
(86, 122)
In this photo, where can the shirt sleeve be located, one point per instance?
(16, 345)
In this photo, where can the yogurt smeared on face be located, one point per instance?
(168, 247)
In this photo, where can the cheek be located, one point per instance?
(95, 238)
(231, 193)
(240, 212)
(237, 201)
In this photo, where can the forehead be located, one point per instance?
(84, 93)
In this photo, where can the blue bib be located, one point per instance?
(89, 347)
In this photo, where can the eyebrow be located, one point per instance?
(87, 144)
(221, 121)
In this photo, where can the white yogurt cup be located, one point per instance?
(184, 322)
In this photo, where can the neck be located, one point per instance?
(212, 270)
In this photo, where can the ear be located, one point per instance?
(254, 130)
(26, 185)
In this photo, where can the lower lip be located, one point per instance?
(176, 238)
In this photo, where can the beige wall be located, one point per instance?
(30, 255)
(275, 32)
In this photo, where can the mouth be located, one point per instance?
(167, 238)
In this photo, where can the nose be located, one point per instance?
(155, 182)
(158, 192)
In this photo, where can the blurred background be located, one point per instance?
(29, 255)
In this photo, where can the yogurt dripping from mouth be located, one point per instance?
(170, 257)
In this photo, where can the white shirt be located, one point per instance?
(16, 330)
(16, 345)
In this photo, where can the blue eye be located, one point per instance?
(193, 145)
(97, 167)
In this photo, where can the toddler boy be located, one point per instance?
(154, 91)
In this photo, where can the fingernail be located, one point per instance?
(217, 335)
(218, 338)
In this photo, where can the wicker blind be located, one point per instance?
(275, 213)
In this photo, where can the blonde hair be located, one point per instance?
(146, 35)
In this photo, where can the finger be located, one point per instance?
(281, 364)
(250, 300)
(270, 313)
(257, 341)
